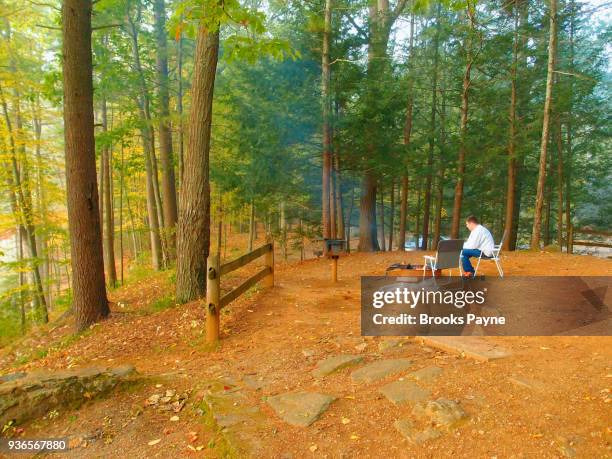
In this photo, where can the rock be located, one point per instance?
(380, 369)
(300, 409)
(308, 353)
(11, 377)
(426, 374)
(335, 363)
(405, 427)
(400, 392)
(35, 394)
(442, 412)
(361, 347)
(387, 344)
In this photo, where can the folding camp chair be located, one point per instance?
(448, 256)
(494, 257)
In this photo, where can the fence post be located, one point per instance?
(213, 288)
(268, 281)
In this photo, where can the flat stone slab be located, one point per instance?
(301, 408)
(335, 363)
(379, 370)
(240, 423)
(426, 374)
(400, 392)
(441, 412)
(472, 346)
(406, 428)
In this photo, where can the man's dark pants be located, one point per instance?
(465, 259)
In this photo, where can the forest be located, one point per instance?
(136, 134)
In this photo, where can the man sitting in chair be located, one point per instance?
(480, 241)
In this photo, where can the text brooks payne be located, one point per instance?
(426, 319)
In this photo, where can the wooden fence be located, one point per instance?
(571, 242)
(215, 302)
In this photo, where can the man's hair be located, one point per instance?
(472, 219)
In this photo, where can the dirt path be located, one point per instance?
(550, 398)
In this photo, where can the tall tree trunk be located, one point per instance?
(521, 112)
(368, 240)
(147, 143)
(23, 202)
(432, 135)
(471, 9)
(438, 208)
(391, 215)
(327, 130)
(568, 159)
(165, 134)
(383, 247)
(348, 220)
(283, 229)
(22, 312)
(512, 163)
(401, 242)
(539, 203)
(88, 289)
(157, 190)
(547, 202)
(121, 184)
(417, 222)
(381, 20)
(179, 106)
(193, 234)
(559, 184)
(440, 175)
(42, 201)
(252, 225)
(135, 240)
(338, 195)
(106, 198)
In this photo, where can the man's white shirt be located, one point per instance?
(480, 239)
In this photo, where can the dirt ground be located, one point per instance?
(276, 337)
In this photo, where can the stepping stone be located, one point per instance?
(442, 412)
(380, 369)
(400, 392)
(300, 409)
(240, 423)
(405, 427)
(331, 364)
(426, 374)
(471, 346)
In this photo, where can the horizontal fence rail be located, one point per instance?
(571, 242)
(214, 301)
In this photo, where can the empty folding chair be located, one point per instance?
(448, 256)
